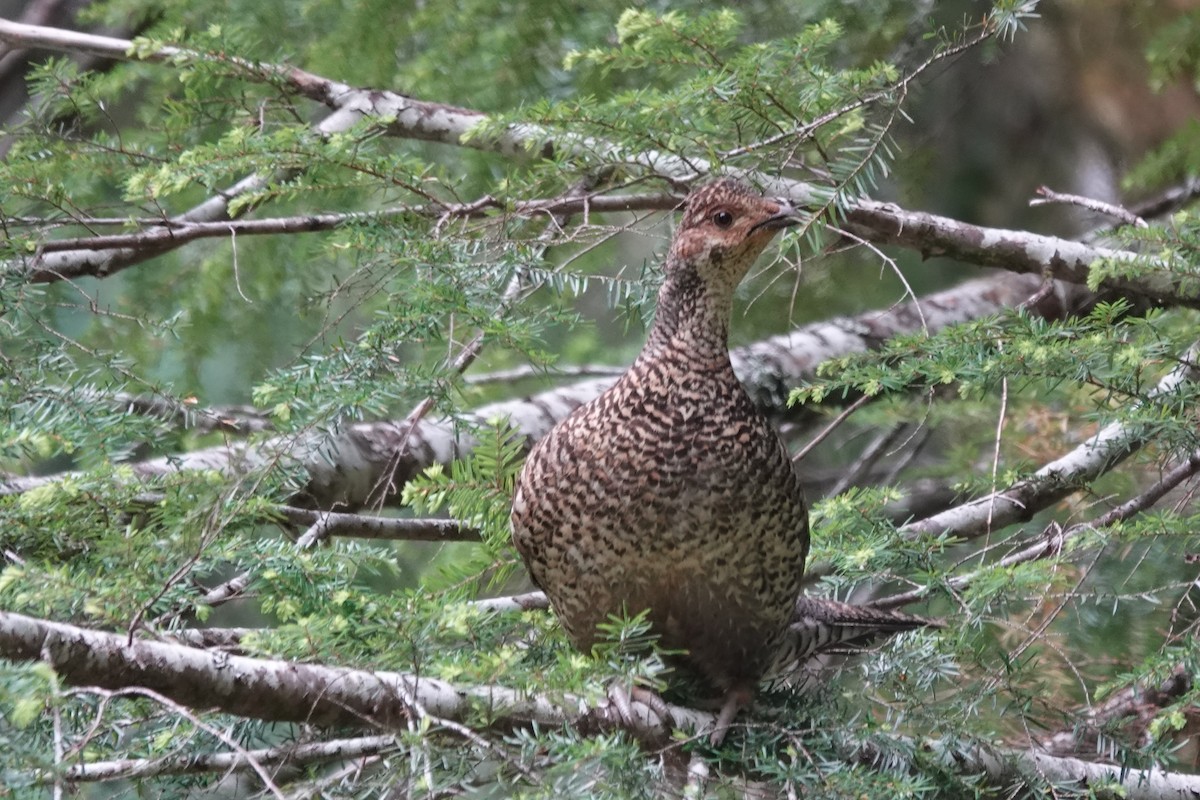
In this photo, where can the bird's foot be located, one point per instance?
(735, 700)
(623, 698)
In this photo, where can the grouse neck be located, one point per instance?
(691, 319)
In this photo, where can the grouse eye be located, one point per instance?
(723, 219)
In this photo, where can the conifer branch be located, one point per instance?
(343, 469)
(1051, 541)
(327, 696)
(289, 755)
(406, 117)
(284, 691)
(1055, 480)
(175, 232)
(1016, 768)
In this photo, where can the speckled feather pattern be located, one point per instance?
(671, 492)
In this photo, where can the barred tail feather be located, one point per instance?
(821, 626)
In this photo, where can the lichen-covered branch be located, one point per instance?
(1050, 542)
(1017, 251)
(285, 691)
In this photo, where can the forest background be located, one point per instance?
(288, 285)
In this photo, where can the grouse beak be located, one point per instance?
(786, 216)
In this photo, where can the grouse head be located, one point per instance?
(725, 226)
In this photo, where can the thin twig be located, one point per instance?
(808, 128)
(1099, 206)
(323, 524)
(891, 262)
(1169, 200)
(867, 459)
(831, 427)
(1000, 419)
(186, 713)
(57, 733)
(175, 232)
(532, 371)
(1041, 294)
(196, 763)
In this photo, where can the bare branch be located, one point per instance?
(530, 601)
(238, 419)
(1048, 196)
(1005, 767)
(228, 639)
(1170, 200)
(226, 591)
(186, 713)
(1052, 540)
(529, 371)
(1016, 251)
(363, 526)
(286, 691)
(291, 755)
(833, 425)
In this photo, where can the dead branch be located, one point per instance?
(365, 526)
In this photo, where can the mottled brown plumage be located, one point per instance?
(671, 492)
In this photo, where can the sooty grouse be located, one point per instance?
(671, 492)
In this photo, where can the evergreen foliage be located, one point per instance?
(437, 274)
